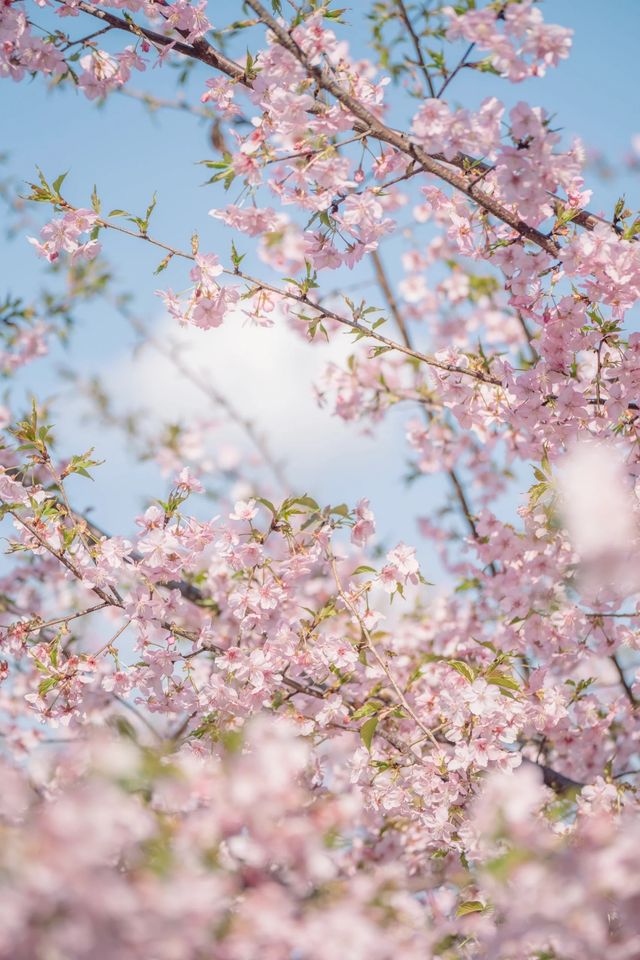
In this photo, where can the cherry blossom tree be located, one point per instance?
(249, 729)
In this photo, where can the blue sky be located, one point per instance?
(129, 154)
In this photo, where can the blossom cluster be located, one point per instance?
(62, 236)
(524, 48)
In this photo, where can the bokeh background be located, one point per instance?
(269, 374)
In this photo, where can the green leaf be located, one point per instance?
(307, 502)
(469, 584)
(463, 668)
(367, 709)
(364, 569)
(47, 684)
(367, 731)
(537, 491)
(503, 680)
(236, 258)
(81, 464)
(618, 210)
(164, 263)
(57, 183)
(145, 222)
(633, 230)
(470, 906)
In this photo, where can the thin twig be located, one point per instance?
(380, 661)
(456, 71)
(625, 683)
(417, 46)
(392, 303)
(432, 163)
(46, 624)
(199, 49)
(401, 141)
(308, 304)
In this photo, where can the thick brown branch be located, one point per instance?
(401, 141)
(198, 50)
(558, 782)
(435, 163)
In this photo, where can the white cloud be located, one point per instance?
(268, 374)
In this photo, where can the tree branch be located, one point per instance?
(625, 683)
(302, 299)
(198, 50)
(417, 46)
(458, 489)
(401, 141)
(435, 163)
